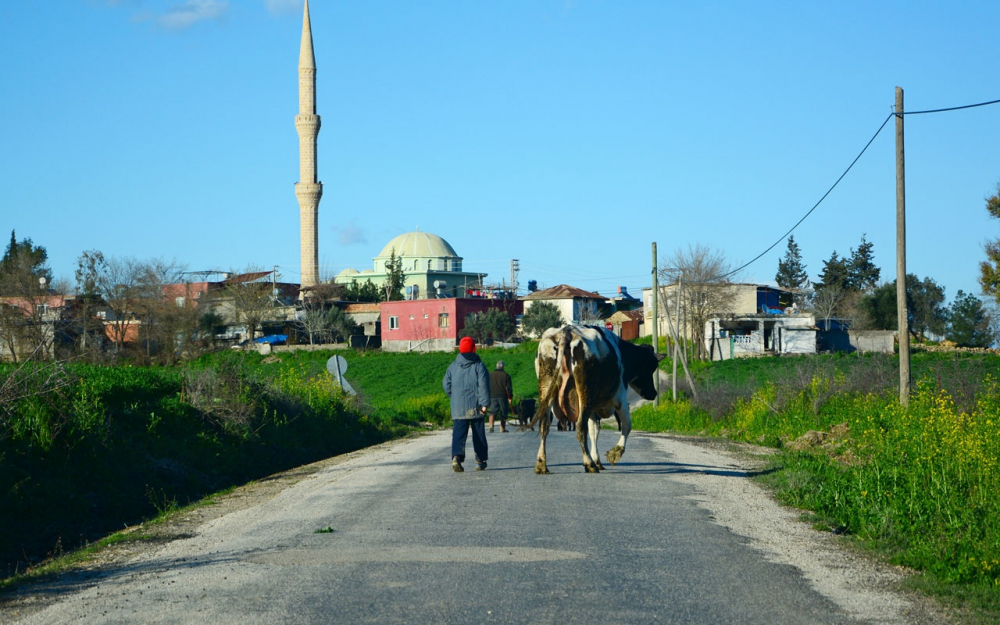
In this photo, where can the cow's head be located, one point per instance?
(641, 363)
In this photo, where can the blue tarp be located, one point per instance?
(273, 339)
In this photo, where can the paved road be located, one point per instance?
(414, 542)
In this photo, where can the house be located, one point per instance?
(777, 333)
(575, 305)
(627, 324)
(434, 324)
(740, 299)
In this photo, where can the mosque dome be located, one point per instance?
(419, 244)
(347, 272)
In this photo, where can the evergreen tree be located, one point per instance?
(836, 272)
(22, 266)
(791, 270)
(489, 326)
(540, 317)
(989, 269)
(863, 275)
(394, 277)
(968, 322)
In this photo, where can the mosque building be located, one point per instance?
(431, 268)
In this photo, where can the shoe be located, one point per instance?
(457, 465)
(491, 429)
(481, 466)
(504, 430)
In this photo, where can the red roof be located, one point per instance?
(564, 291)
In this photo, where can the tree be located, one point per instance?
(251, 300)
(488, 326)
(924, 299)
(792, 271)
(89, 266)
(989, 269)
(366, 291)
(862, 274)
(539, 317)
(27, 262)
(118, 286)
(706, 288)
(969, 322)
(836, 272)
(826, 302)
(394, 277)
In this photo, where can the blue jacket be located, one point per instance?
(467, 383)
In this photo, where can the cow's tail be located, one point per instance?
(556, 396)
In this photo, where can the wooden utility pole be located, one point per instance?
(656, 322)
(902, 317)
(677, 310)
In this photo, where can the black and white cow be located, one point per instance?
(584, 373)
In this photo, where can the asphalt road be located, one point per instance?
(410, 541)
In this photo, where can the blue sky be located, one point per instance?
(569, 134)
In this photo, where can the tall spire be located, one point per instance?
(308, 190)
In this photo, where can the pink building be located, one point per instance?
(434, 324)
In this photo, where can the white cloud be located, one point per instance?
(279, 7)
(351, 234)
(190, 12)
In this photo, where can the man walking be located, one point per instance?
(467, 384)
(501, 390)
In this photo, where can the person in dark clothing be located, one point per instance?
(501, 391)
(467, 384)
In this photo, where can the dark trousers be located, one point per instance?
(459, 434)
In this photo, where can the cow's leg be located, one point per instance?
(615, 453)
(594, 430)
(543, 431)
(583, 427)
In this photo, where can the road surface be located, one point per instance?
(675, 533)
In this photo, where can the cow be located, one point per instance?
(584, 373)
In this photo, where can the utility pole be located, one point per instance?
(902, 317)
(655, 333)
(515, 266)
(677, 309)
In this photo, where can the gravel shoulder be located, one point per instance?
(867, 590)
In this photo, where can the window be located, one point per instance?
(179, 302)
(443, 320)
(41, 309)
(393, 323)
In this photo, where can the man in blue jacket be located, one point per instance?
(467, 384)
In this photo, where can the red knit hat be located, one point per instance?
(467, 345)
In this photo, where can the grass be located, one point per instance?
(84, 450)
(917, 485)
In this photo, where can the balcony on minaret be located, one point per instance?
(307, 121)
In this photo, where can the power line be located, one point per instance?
(953, 108)
(828, 191)
(863, 150)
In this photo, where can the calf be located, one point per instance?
(584, 373)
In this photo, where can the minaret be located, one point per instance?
(308, 190)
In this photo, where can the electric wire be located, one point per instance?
(828, 191)
(863, 150)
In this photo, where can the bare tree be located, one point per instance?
(118, 284)
(589, 313)
(702, 277)
(251, 299)
(162, 320)
(827, 301)
(315, 321)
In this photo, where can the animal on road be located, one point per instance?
(584, 373)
